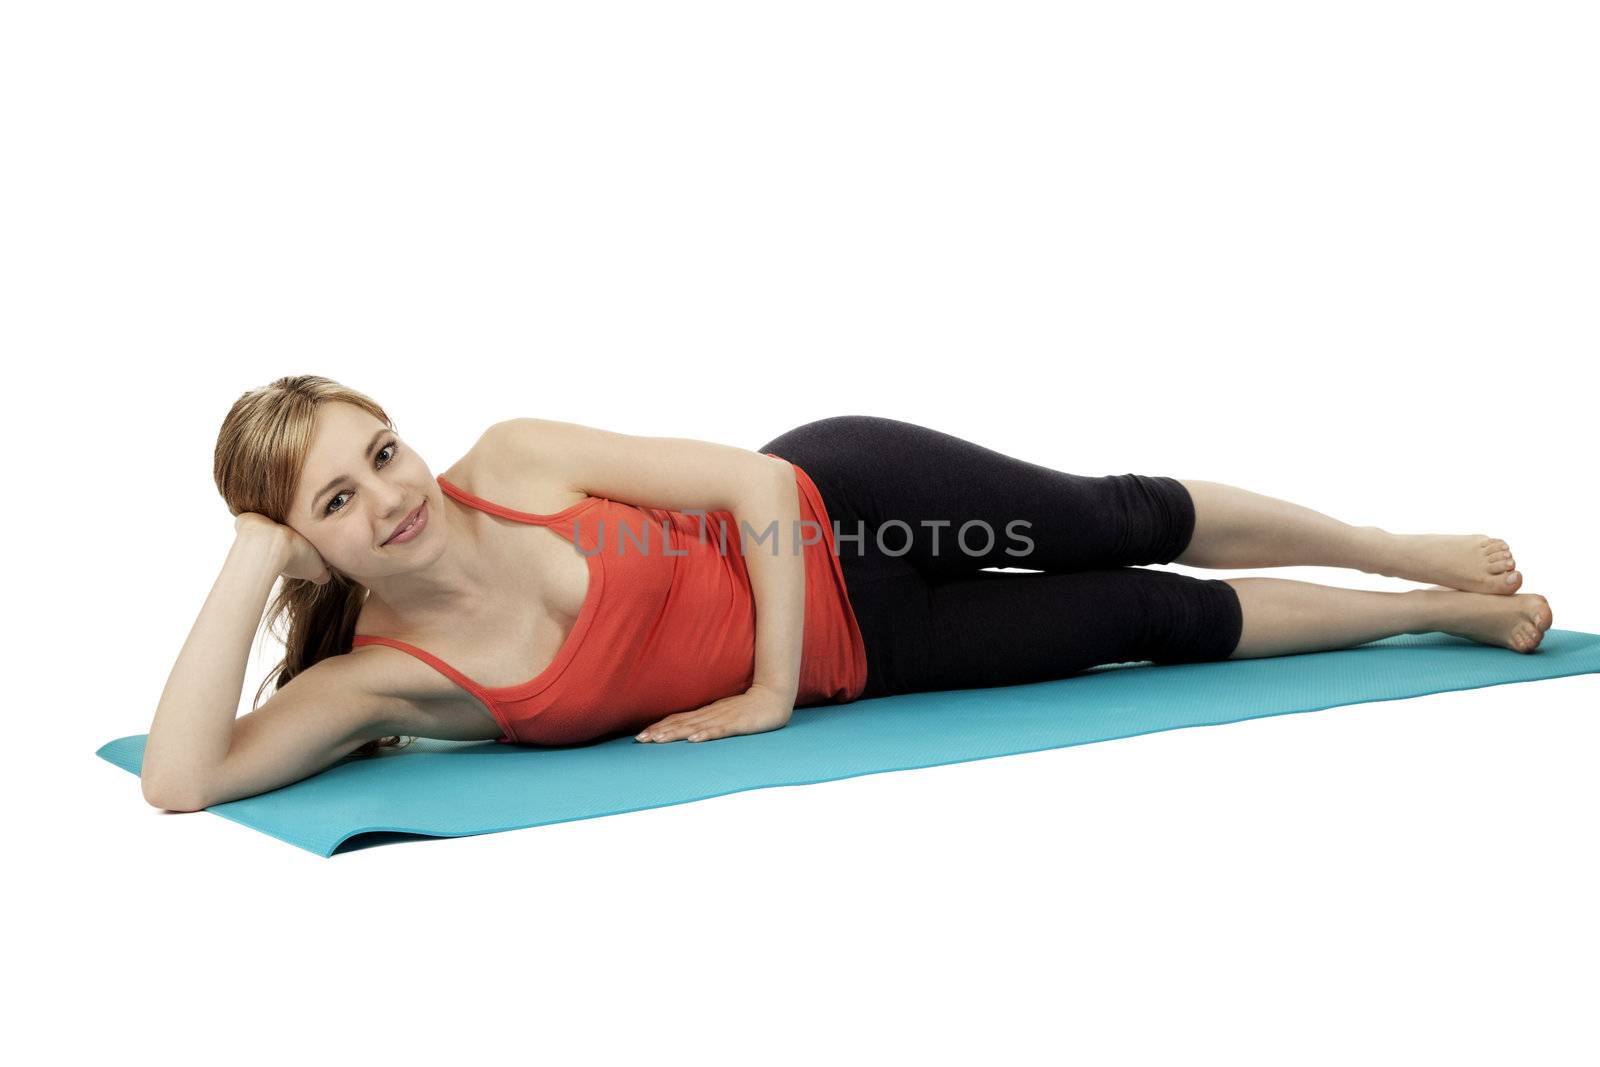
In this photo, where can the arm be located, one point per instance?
(197, 754)
(680, 474)
(319, 717)
(778, 580)
(675, 473)
(194, 718)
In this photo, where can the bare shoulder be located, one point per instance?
(527, 443)
(380, 691)
(409, 697)
(516, 463)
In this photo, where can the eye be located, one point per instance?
(392, 446)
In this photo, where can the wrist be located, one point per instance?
(787, 694)
(267, 546)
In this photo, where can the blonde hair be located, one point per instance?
(260, 452)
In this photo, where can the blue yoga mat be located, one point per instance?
(455, 788)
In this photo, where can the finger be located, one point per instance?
(677, 726)
(665, 730)
(688, 725)
(709, 728)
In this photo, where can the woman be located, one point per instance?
(455, 606)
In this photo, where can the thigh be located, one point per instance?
(892, 604)
(951, 507)
(994, 628)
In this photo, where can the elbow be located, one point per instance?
(777, 476)
(774, 475)
(170, 798)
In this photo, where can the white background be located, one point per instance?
(1342, 254)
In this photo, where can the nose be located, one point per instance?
(393, 503)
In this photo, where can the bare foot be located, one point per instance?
(1516, 622)
(1472, 563)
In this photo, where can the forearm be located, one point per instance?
(778, 581)
(194, 719)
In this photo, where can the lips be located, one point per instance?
(407, 521)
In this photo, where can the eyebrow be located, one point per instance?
(325, 490)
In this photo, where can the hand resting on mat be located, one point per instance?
(756, 710)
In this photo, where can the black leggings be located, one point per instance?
(933, 618)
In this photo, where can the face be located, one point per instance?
(357, 488)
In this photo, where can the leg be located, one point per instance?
(994, 628)
(951, 507)
(1237, 528)
(1282, 617)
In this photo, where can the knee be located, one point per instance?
(1191, 620)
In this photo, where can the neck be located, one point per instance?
(441, 591)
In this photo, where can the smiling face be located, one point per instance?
(359, 485)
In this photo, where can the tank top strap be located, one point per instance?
(442, 667)
(554, 518)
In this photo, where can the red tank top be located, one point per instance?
(664, 630)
